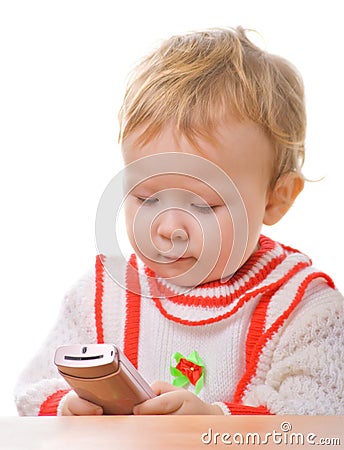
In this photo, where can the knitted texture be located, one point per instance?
(271, 337)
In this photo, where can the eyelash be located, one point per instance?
(148, 200)
(204, 209)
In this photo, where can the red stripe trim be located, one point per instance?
(50, 405)
(98, 304)
(262, 341)
(249, 270)
(133, 311)
(257, 325)
(264, 289)
(239, 409)
(211, 301)
(289, 249)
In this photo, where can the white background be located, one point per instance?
(62, 77)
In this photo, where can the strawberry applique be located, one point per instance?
(188, 370)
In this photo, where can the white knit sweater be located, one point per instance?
(271, 338)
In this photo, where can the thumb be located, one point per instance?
(80, 407)
(161, 387)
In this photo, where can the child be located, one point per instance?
(229, 321)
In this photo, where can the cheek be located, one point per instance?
(217, 243)
(227, 236)
(130, 210)
(234, 225)
(254, 196)
(255, 208)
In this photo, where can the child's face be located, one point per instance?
(184, 228)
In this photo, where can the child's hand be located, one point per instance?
(173, 400)
(73, 405)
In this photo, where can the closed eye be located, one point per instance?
(205, 209)
(147, 200)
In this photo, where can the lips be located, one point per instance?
(175, 258)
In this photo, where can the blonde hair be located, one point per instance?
(196, 80)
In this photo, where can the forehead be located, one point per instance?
(205, 188)
(240, 148)
(174, 170)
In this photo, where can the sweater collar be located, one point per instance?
(221, 293)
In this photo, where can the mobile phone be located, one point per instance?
(102, 374)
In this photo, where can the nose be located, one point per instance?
(171, 225)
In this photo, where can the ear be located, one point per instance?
(282, 196)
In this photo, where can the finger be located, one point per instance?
(81, 407)
(167, 403)
(161, 387)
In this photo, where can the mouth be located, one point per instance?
(173, 259)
